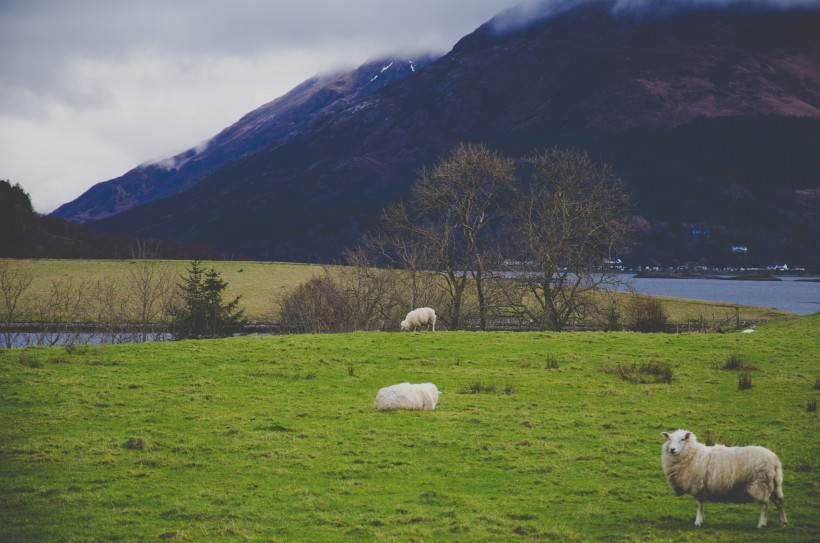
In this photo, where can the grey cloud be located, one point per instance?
(533, 10)
(41, 39)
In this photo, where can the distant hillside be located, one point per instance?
(269, 124)
(711, 116)
(26, 234)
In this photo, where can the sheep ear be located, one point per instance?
(664, 434)
(687, 436)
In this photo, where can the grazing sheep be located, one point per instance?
(421, 397)
(722, 474)
(419, 317)
(747, 331)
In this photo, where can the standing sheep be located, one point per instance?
(419, 317)
(421, 397)
(722, 474)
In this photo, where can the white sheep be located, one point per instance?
(421, 397)
(423, 316)
(722, 474)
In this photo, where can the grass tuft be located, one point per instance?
(811, 406)
(476, 387)
(744, 382)
(735, 362)
(28, 360)
(653, 372)
(135, 444)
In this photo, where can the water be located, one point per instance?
(62, 339)
(790, 294)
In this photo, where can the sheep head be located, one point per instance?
(677, 441)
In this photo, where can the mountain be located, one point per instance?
(273, 122)
(710, 115)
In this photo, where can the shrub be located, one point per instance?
(646, 314)
(317, 306)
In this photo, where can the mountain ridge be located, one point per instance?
(273, 122)
(580, 78)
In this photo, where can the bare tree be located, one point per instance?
(371, 292)
(569, 219)
(457, 201)
(109, 308)
(61, 309)
(398, 243)
(153, 291)
(13, 284)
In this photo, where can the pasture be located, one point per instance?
(261, 284)
(536, 437)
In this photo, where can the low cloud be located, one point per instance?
(536, 10)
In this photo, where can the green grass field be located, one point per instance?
(275, 438)
(261, 283)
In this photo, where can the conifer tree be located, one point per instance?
(201, 312)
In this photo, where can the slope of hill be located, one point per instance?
(273, 122)
(640, 90)
(26, 234)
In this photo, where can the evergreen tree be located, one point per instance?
(201, 312)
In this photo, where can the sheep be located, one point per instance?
(419, 317)
(420, 397)
(722, 474)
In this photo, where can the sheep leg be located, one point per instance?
(761, 522)
(699, 514)
(778, 501)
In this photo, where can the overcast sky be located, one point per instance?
(91, 88)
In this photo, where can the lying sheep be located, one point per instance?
(423, 316)
(722, 474)
(422, 397)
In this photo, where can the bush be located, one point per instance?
(646, 314)
(317, 306)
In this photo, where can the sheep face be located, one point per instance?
(677, 441)
(405, 326)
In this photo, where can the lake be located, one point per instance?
(793, 294)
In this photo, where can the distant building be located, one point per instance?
(741, 249)
(614, 264)
(778, 267)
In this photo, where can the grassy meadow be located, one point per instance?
(262, 283)
(259, 283)
(536, 437)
